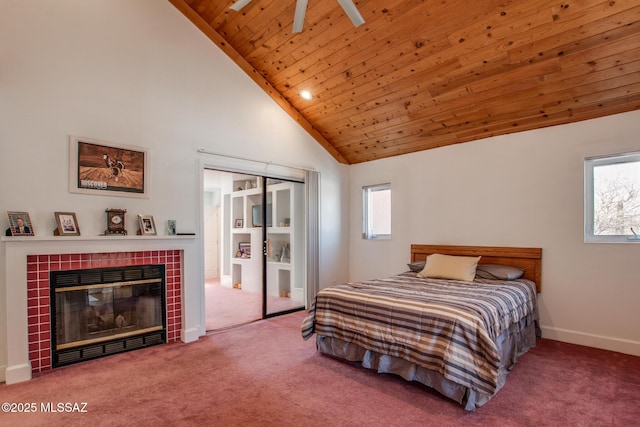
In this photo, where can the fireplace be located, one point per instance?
(25, 267)
(101, 311)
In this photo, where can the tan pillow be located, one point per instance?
(450, 267)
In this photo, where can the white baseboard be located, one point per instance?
(591, 340)
(189, 335)
(17, 373)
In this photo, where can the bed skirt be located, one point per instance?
(511, 343)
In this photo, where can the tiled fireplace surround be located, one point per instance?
(38, 299)
(25, 263)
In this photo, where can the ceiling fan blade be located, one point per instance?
(352, 12)
(239, 4)
(298, 18)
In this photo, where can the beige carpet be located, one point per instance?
(227, 307)
(264, 374)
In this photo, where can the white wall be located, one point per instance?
(137, 72)
(210, 234)
(524, 189)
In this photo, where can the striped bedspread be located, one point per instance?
(444, 325)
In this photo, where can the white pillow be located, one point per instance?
(450, 267)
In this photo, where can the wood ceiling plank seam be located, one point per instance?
(500, 33)
(516, 77)
(522, 40)
(314, 61)
(209, 10)
(531, 123)
(413, 144)
(338, 26)
(605, 63)
(374, 92)
(594, 54)
(235, 21)
(374, 27)
(372, 59)
(376, 40)
(371, 90)
(409, 56)
(509, 75)
(498, 36)
(406, 147)
(356, 115)
(186, 10)
(586, 44)
(619, 94)
(502, 21)
(565, 34)
(267, 24)
(351, 88)
(511, 111)
(306, 57)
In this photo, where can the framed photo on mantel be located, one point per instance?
(19, 224)
(67, 224)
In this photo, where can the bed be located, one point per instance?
(459, 337)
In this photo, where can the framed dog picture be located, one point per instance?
(98, 167)
(20, 224)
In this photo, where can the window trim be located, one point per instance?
(589, 204)
(366, 211)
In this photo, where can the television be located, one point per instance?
(257, 216)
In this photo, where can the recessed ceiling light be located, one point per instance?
(306, 94)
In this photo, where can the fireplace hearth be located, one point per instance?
(102, 311)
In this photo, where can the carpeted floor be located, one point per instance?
(226, 307)
(264, 374)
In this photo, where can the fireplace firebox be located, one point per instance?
(102, 311)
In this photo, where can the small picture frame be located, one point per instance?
(171, 227)
(147, 225)
(19, 224)
(67, 224)
(245, 249)
(239, 222)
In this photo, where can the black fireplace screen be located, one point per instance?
(97, 312)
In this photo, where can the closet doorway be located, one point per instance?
(254, 247)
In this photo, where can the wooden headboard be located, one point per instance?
(530, 259)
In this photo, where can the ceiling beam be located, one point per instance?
(213, 35)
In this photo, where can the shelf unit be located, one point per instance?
(285, 238)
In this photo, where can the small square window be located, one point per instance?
(612, 198)
(376, 211)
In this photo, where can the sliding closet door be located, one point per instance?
(284, 248)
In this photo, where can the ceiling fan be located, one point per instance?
(301, 7)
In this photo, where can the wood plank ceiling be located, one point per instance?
(421, 74)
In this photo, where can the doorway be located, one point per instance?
(255, 254)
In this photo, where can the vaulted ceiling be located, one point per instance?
(421, 74)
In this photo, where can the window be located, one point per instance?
(612, 198)
(376, 211)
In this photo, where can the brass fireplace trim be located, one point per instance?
(108, 285)
(109, 338)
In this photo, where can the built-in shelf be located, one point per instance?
(243, 208)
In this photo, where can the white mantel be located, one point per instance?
(14, 358)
